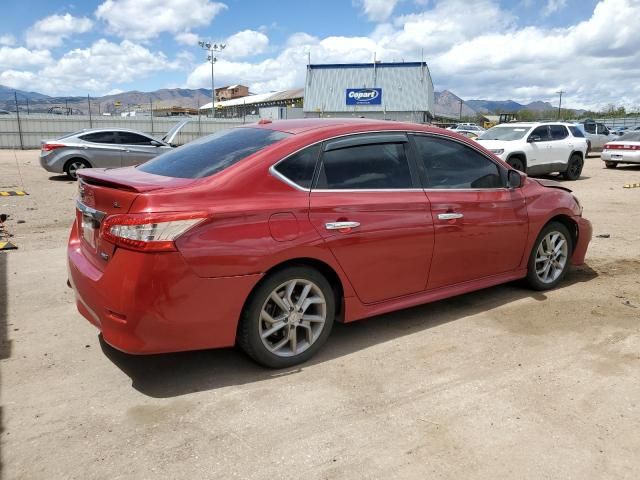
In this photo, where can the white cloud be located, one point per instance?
(245, 43)
(187, 38)
(476, 50)
(146, 19)
(20, 57)
(553, 6)
(51, 31)
(95, 69)
(7, 39)
(377, 10)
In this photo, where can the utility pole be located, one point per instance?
(212, 49)
(151, 113)
(90, 119)
(460, 114)
(15, 96)
(560, 104)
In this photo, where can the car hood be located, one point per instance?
(493, 144)
(173, 132)
(551, 184)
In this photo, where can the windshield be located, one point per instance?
(629, 137)
(504, 133)
(212, 154)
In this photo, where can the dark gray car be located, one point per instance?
(103, 148)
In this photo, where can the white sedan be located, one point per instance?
(626, 149)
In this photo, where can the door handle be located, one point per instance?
(449, 216)
(341, 225)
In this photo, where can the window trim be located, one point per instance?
(112, 132)
(118, 132)
(413, 164)
(424, 177)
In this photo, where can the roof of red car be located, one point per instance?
(307, 124)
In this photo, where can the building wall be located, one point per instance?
(406, 87)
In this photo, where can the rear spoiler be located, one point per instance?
(128, 178)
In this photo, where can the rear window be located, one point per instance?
(212, 154)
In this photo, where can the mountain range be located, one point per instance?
(446, 102)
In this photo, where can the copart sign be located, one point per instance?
(364, 96)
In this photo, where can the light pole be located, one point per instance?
(560, 104)
(212, 49)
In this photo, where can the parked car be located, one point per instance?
(265, 235)
(103, 147)
(468, 127)
(626, 149)
(469, 133)
(538, 148)
(597, 134)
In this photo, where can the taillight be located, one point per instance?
(47, 147)
(610, 146)
(148, 232)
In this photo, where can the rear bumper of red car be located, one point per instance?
(585, 231)
(153, 303)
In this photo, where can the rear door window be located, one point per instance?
(100, 137)
(212, 154)
(576, 132)
(365, 167)
(558, 132)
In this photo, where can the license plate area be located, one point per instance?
(616, 157)
(89, 228)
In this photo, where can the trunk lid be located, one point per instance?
(103, 192)
(173, 132)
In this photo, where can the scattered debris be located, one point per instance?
(604, 235)
(21, 221)
(629, 304)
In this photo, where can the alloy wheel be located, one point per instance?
(74, 167)
(551, 256)
(292, 318)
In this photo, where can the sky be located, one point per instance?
(523, 50)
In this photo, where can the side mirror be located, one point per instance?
(534, 138)
(514, 179)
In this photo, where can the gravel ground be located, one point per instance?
(501, 383)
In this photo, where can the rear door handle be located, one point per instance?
(341, 225)
(449, 216)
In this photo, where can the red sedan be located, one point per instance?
(264, 235)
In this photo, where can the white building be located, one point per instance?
(392, 91)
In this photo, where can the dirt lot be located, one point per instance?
(502, 383)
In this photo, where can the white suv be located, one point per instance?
(538, 148)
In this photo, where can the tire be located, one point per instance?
(608, 164)
(574, 168)
(73, 165)
(539, 276)
(517, 163)
(262, 314)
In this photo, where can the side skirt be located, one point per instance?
(355, 310)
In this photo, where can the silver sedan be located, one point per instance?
(103, 148)
(626, 149)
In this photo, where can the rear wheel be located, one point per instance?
(611, 164)
(517, 163)
(287, 318)
(549, 259)
(72, 166)
(574, 169)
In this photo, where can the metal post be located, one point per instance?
(199, 124)
(66, 106)
(213, 91)
(15, 96)
(560, 104)
(27, 105)
(460, 115)
(90, 119)
(151, 107)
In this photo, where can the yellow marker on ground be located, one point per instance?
(7, 246)
(632, 185)
(13, 193)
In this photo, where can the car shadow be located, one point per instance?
(61, 178)
(171, 375)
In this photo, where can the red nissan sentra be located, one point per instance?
(266, 234)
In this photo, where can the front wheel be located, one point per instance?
(549, 259)
(574, 169)
(287, 318)
(611, 164)
(517, 163)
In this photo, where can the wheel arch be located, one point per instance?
(568, 222)
(519, 154)
(75, 156)
(321, 266)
